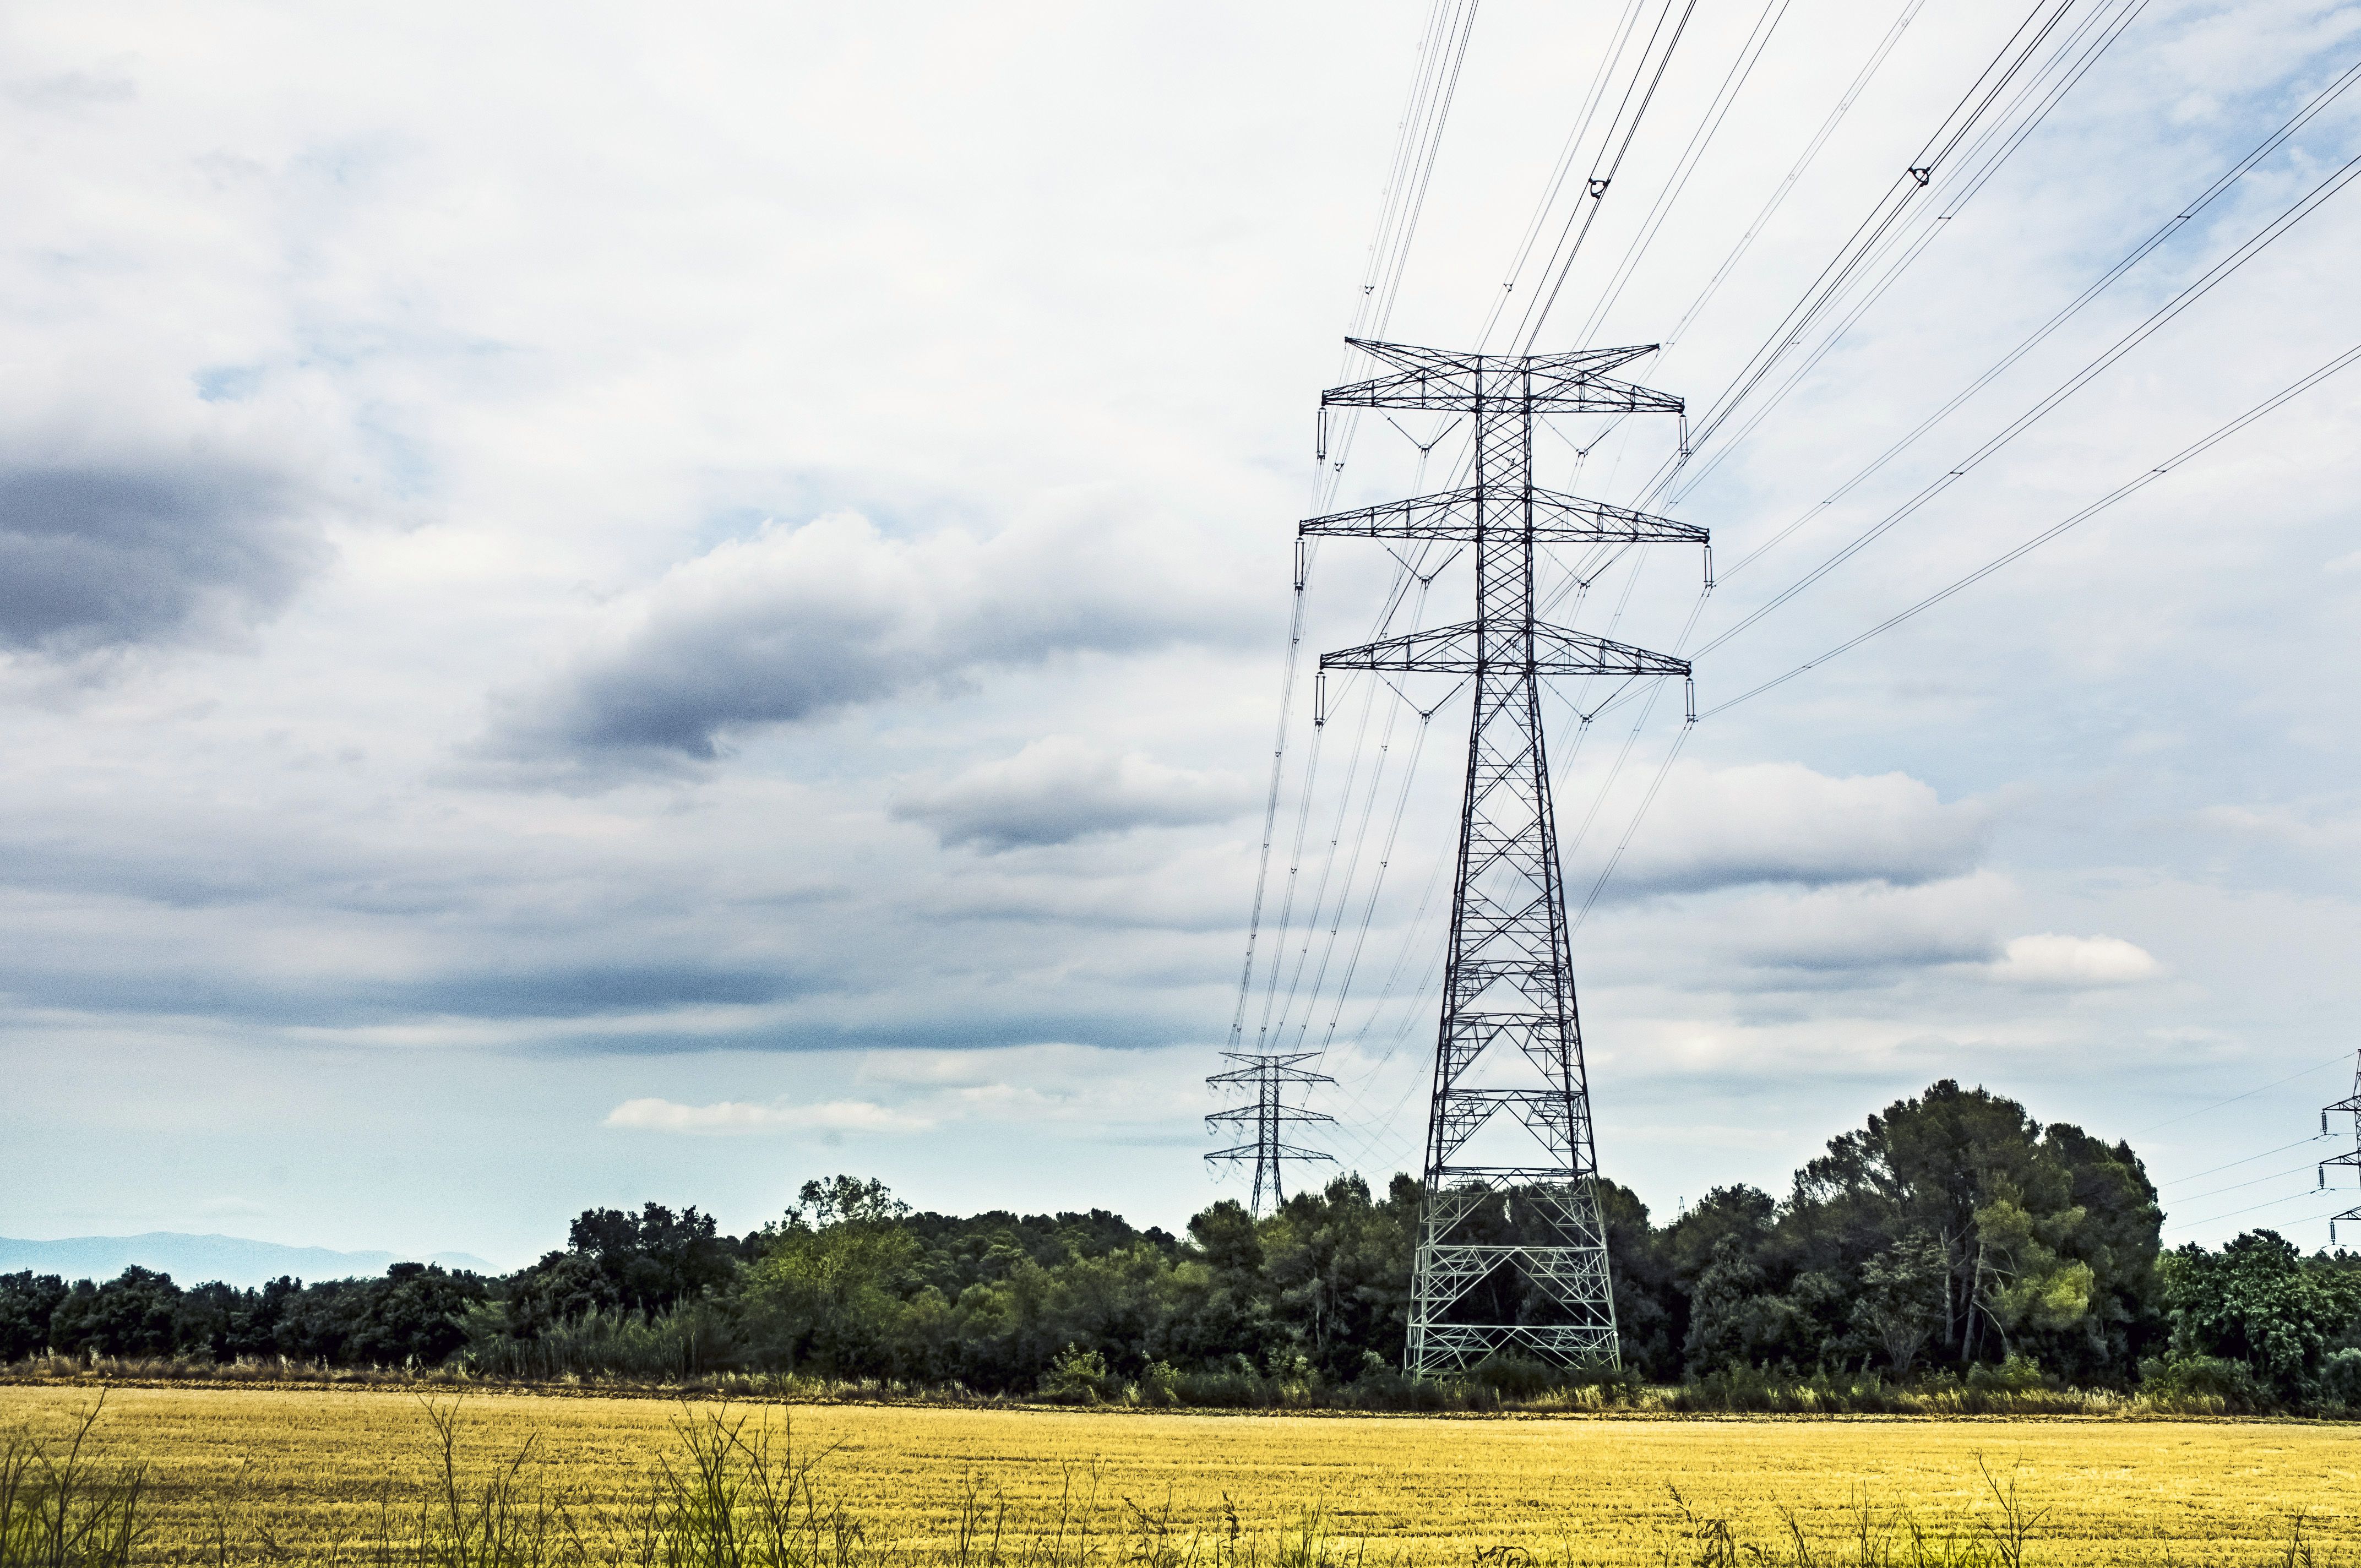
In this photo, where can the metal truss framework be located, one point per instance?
(1271, 1074)
(2349, 1105)
(1512, 1257)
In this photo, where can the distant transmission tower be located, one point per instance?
(1270, 1074)
(2350, 1105)
(1512, 1245)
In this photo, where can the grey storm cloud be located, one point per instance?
(94, 558)
(792, 623)
(1059, 789)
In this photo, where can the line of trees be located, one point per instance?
(1951, 1233)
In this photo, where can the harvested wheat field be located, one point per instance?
(310, 1475)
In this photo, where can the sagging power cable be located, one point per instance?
(2156, 323)
(2138, 253)
(2121, 492)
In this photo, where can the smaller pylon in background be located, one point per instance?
(2350, 1105)
(1270, 1075)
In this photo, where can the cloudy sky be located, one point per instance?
(599, 605)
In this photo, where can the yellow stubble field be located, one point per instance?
(309, 1464)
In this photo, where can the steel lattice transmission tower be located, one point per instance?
(2350, 1105)
(1270, 1074)
(1512, 1245)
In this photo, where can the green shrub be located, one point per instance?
(2339, 1385)
(2202, 1385)
(1080, 1377)
(2017, 1375)
(1515, 1377)
(1161, 1384)
(688, 1341)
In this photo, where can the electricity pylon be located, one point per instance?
(1272, 1073)
(1512, 1245)
(2350, 1105)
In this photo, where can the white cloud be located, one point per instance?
(1771, 822)
(778, 1116)
(2050, 960)
(1060, 788)
(1865, 926)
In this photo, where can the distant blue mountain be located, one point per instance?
(191, 1260)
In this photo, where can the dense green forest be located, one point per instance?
(1951, 1237)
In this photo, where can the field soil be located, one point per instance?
(308, 1466)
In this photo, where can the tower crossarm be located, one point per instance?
(1539, 384)
(1462, 650)
(1246, 1153)
(1454, 515)
(1268, 1075)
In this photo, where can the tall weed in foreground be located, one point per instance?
(61, 1508)
(736, 1500)
(2001, 1538)
(502, 1521)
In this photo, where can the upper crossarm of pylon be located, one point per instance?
(1572, 382)
(1452, 514)
(1461, 650)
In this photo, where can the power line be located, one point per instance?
(2249, 1094)
(1883, 229)
(1881, 217)
(1811, 151)
(2233, 1165)
(2120, 493)
(1741, 70)
(1976, 171)
(2241, 1186)
(2172, 308)
(1602, 175)
(2252, 1209)
(1443, 51)
(1978, 167)
(2195, 449)
(2138, 253)
(1608, 60)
